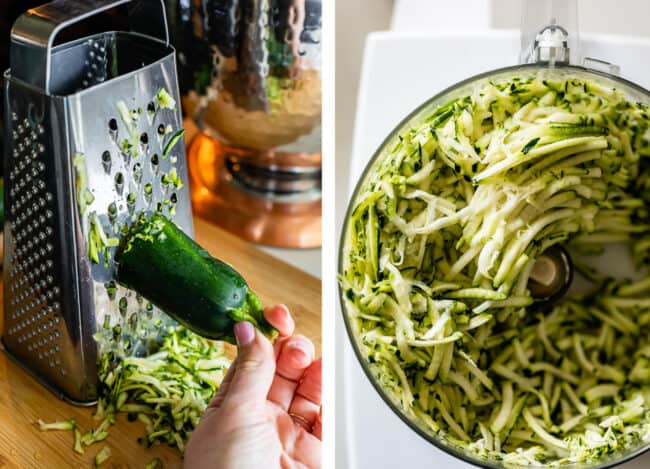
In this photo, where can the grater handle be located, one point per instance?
(34, 32)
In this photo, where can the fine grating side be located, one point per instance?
(34, 311)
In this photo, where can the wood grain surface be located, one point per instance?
(23, 401)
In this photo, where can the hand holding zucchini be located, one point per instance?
(167, 267)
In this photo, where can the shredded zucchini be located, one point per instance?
(155, 463)
(102, 456)
(84, 196)
(441, 240)
(61, 425)
(167, 390)
(173, 140)
(98, 241)
(165, 100)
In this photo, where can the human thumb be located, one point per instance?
(255, 367)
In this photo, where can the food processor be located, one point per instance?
(549, 46)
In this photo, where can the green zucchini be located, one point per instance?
(204, 294)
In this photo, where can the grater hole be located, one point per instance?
(33, 312)
(119, 182)
(106, 161)
(137, 173)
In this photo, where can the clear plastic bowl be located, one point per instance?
(633, 92)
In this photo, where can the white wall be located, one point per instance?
(354, 20)
(629, 17)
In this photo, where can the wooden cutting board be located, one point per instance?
(23, 400)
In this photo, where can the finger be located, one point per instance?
(280, 318)
(222, 392)
(307, 401)
(318, 425)
(255, 368)
(295, 356)
(279, 344)
(311, 385)
(307, 450)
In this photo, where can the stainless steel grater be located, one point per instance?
(87, 127)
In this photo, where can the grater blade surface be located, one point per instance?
(75, 164)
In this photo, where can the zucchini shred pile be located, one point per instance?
(167, 390)
(439, 246)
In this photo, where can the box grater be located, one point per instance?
(87, 131)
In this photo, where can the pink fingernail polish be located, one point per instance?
(244, 333)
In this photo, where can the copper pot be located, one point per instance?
(250, 73)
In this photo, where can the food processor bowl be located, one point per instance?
(545, 64)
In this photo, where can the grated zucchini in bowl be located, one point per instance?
(439, 245)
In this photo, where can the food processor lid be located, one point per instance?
(550, 36)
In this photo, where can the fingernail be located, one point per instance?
(244, 333)
(299, 353)
(292, 323)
